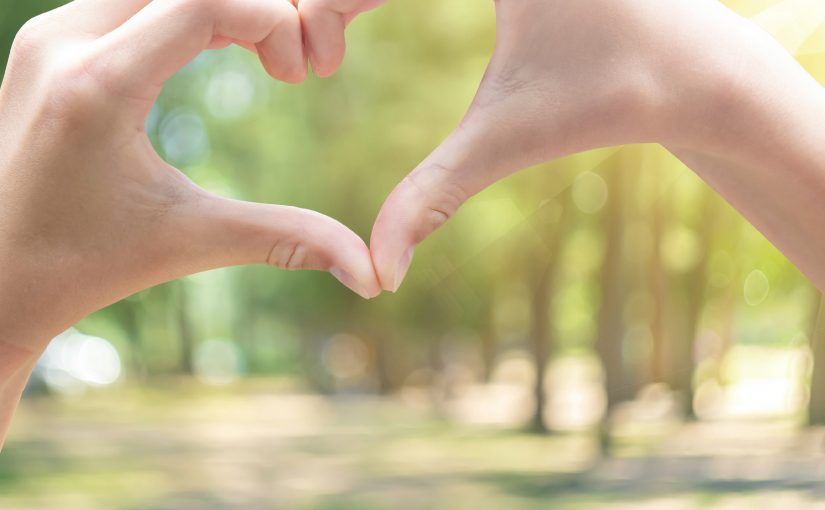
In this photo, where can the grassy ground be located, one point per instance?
(260, 449)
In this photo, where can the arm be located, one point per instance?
(15, 366)
(768, 159)
(572, 76)
(89, 213)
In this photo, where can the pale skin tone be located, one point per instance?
(689, 74)
(91, 212)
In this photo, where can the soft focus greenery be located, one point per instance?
(617, 265)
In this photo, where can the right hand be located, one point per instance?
(568, 76)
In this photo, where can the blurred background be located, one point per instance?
(599, 332)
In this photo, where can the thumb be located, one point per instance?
(477, 154)
(220, 232)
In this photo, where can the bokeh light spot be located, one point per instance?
(73, 361)
(183, 138)
(590, 192)
(757, 288)
(681, 249)
(229, 95)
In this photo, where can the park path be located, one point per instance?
(265, 450)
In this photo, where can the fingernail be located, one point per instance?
(350, 282)
(403, 267)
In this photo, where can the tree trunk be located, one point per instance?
(185, 332)
(695, 281)
(381, 342)
(541, 342)
(816, 407)
(488, 344)
(131, 323)
(658, 288)
(610, 339)
(542, 280)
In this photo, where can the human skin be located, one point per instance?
(567, 76)
(90, 213)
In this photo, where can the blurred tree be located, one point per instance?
(723, 294)
(816, 409)
(382, 341)
(549, 224)
(185, 330)
(128, 314)
(610, 334)
(657, 278)
(691, 285)
(488, 341)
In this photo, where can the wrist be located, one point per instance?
(16, 364)
(763, 119)
(749, 104)
(31, 309)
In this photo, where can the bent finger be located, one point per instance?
(144, 52)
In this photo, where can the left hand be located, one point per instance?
(573, 75)
(90, 213)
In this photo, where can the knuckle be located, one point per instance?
(440, 201)
(106, 75)
(32, 37)
(72, 90)
(434, 219)
(288, 254)
(444, 206)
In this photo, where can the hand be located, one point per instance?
(567, 76)
(90, 213)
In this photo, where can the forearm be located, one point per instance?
(29, 318)
(763, 149)
(16, 365)
(39, 297)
